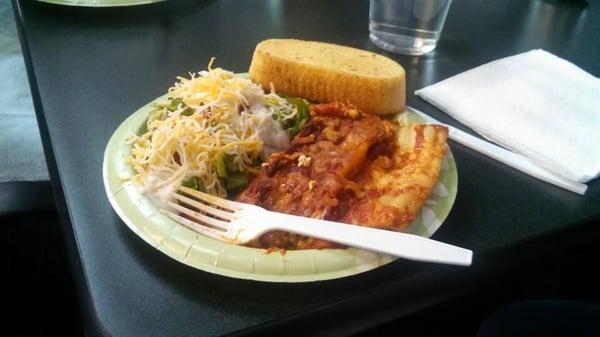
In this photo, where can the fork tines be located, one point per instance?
(211, 199)
(202, 212)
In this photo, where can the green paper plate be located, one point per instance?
(142, 216)
(100, 3)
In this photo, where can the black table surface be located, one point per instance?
(90, 68)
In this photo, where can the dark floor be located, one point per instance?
(35, 286)
(19, 136)
(572, 278)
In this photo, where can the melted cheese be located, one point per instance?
(363, 170)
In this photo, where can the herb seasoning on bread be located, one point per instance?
(324, 72)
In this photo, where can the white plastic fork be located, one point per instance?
(239, 223)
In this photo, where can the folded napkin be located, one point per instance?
(533, 103)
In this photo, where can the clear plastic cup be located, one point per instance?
(410, 27)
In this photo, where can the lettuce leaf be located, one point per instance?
(295, 124)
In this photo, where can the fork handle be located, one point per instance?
(403, 245)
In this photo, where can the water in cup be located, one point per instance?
(410, 27)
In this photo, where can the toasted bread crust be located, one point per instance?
(323, 72)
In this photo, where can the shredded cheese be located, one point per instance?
(216, 114)
(304, 160)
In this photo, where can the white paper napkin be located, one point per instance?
(533, 103)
